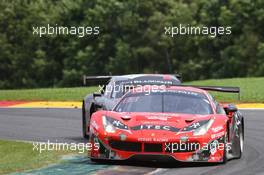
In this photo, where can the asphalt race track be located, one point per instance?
(64, 125)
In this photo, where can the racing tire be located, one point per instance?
(84, 123)
(241, 142)
(225, 147)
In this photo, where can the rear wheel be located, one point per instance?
(84, 123)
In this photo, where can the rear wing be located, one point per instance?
(105, 79)
(179, 76)
(93, 79)
(218, 89)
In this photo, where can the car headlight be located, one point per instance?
(203, 129)
(108, 127)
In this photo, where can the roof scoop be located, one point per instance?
(126, 117)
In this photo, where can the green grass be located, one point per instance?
(252, 90)
(20, 156)
(56, 94)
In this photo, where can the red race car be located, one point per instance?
(179, 123)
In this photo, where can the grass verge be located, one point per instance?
(252, 90)
(49, 94)
(19, 156)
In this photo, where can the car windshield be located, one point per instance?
(123, 86)
(120, 90)
(185, 102)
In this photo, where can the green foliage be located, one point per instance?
(131, 40)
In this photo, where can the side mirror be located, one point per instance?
(230, 109)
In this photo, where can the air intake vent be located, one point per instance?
(149, 147)
(126, 146)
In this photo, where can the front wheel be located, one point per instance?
(225, 145)
(241, 143)
(84, 123)
(225, 150)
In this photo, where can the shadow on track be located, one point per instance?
(156, 164)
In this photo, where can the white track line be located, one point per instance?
(157, 171)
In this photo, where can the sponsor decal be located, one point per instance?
(220, 134)
(94, 124)
(155, 127)
(117, 123)
(195, 125)
(148, 82)
(145, 139)
(148, 139)
(217, 128)
(160, 139)
(158, 118)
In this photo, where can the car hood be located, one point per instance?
(160, 121)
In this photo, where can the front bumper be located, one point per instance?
(194, 149)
